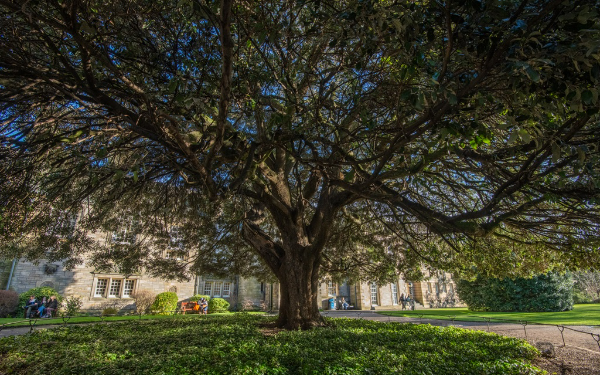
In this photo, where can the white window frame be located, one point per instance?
(374, 294)
(128, 288)
(109, 282)
(99, 281)
(394, 294)
(208, 288)
(119, 284)
(226, 291)
(217, 289)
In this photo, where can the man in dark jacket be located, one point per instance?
(31, 305)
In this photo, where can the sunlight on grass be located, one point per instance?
(581, 315)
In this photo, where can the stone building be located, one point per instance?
(436, 290)
(99, 290)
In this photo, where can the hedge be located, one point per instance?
(164, 303)
(549, 292)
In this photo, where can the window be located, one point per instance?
(101, 288)
(374, 300)
(208, 288)
(451, 288)
(217, 288)
(125, 234)
(176, 254)
(429, 287)
(394, 294)
(128, 288)
(115, 288)
(331, 288)
(444, 287)
(226, 289)
(175, 238)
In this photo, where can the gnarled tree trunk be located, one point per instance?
(299, 286)
(297, 269)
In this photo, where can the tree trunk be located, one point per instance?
(299, 290)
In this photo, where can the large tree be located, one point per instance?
(329, 135)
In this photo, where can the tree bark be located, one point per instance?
(297, 269)
(299, 290)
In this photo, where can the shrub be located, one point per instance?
(109, 311)
(587, 286)
(72, 305)
(39, 293)
(164, 303)
(9, 301)
(549, 292)
(216, 305)
(143, 300)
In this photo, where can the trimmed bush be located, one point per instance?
(164, 303)
(39, 293)
(143, 300)
(549, 292)
(216, 305)
(109, 311)
(9, 301)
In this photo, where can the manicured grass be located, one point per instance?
(236, 344)
(581, 315)
(20, 322)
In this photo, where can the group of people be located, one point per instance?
(406, 301)
(203, 306)
(43, 309)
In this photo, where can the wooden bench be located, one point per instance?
(188, 306)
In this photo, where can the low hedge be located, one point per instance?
(237, 344)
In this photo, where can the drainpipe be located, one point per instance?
(12, 269)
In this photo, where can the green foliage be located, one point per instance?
(196, 297)
(39, 293)
(236, 344)
(164, 303)
(587, 287)
(549, 292)
(9, 301)
(72, 305)
(109, 311)
(216, 305)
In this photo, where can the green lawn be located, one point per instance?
(581, 315)
(20, 322)
(237, 344)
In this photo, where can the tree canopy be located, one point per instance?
(326, 136)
